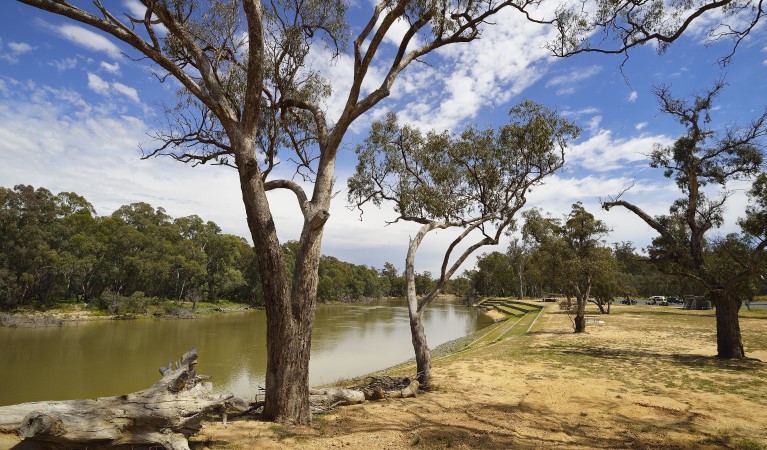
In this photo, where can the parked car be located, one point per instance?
(675, 300)
(627, 301)
(657, 300)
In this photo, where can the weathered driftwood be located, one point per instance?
(165, 414)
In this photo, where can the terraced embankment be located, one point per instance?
(520, 318)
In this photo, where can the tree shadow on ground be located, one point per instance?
(683, 359)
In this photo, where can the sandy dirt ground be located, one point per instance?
(644, 378)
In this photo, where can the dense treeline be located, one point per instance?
(525, 270)
(55, 248)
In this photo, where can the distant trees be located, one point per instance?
(55, 247)
(474, 182)
(699, 160)
(494, 275)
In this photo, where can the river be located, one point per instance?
(104, 358)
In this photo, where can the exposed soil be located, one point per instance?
(645, 378)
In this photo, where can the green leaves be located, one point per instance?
(458, 178)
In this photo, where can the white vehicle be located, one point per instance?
(657, 300)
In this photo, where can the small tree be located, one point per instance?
(701, 157)
(475, 182)
(575, 255)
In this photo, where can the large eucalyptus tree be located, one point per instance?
(475, 182)
(701, 160)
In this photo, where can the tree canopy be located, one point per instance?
(699, 161)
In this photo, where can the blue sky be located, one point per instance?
(74, 112)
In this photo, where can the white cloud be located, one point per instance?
(88, 39)
(97, 84)
(19, 47)
(111, 68)
(397, 32)
(640, 126)
(464, 78)
(15, 49)
(103, 87)
(718, 23)
(64, 64)
(633, 96)
(567, 84)
(127, 91)
(579, 113)
(75, 146)
(137, 10)
(603, 152)
(593, 124)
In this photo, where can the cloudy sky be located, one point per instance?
(77, 107)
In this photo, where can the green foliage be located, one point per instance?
(54, 248)
(494, 276)
(569, 256)
(442, 177)
(704, 156)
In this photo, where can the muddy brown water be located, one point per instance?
(104, 358)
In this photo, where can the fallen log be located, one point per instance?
(377, 388)
(165, 414)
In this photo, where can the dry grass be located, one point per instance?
(646, 378)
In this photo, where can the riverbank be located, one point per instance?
(72, 313)
(80, 312)
(645, 378)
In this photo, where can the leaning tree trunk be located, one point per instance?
(729, 344)
(417, 333)
(161, 416)
(422, 354)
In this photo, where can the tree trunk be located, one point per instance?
(289, 315)
(417, 333)
(163, 415)
(601, 307)
(580, 314)
(729, 344)
(422, 354)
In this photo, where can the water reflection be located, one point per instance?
(111, 358)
